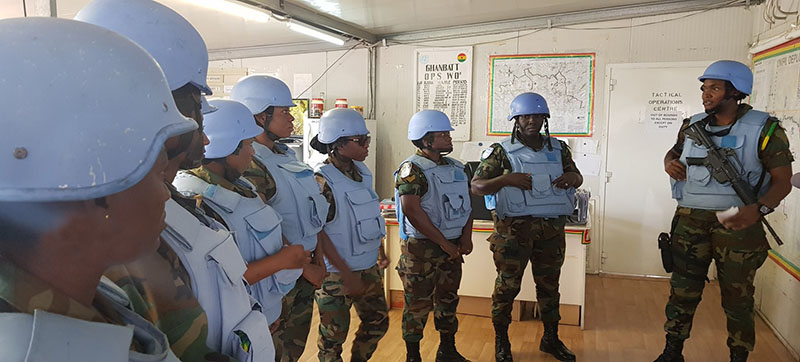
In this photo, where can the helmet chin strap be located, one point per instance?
(269, 134)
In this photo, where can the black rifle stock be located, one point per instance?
(718, 162)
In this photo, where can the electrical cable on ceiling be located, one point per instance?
(24, 9)
(465, 45)
(329, 68)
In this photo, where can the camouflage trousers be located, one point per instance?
(514, 243)
(698, 238)
(334, 315)
(430, 284)
(295, 322)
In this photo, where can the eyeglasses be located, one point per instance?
(443, 134)
(361, 140)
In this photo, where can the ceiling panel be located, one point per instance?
(223, 31)
(393, 16)
(219, 30)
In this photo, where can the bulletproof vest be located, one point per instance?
(543, 199)
(700, 190)
(447, 202)
(257, 231)
(216, 268)
(358, 227)
(44, 336)
(298, 198)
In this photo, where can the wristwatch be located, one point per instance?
(765, 210)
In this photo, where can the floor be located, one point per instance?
(624, 319)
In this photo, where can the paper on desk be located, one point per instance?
(471, 151)
(588, 163)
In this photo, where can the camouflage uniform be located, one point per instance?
(159, 288)
(334, 303)
(698, 237)
(295, 322)
(334, 315)
(297, 307)
(430, 278)
(22, 292)
(517, 240)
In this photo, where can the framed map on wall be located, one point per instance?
(566, 81)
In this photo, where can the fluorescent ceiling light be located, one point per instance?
(234, 8)
(307, 30)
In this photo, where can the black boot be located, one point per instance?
(552, 345)
(447, 349)
(502, 347)
(412, 352)
(739, 354)
(673, 350)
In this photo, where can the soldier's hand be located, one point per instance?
(314, 274)
(746, 217)
(567, 180)
(383, 261)
(451, 249)
(274, 326)
(353, 285)
(295, 256)
(675, 169)
(519, 180)
(465, 244)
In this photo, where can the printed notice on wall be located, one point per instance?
(665, 112)
(444, 83)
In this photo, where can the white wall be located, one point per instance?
(719, 34)
(706, 36)
(348, 78)
(777, 292)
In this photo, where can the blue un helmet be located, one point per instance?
(528, 103)
(259, 92)
(425, 121)
(205, 107)
(340, 122)
(71, 131)
(168, 37)
(229, 125)
(735, 72)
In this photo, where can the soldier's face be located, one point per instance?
(442, 142)
(531, 124)
(241, 162)
(190, 106)
(713, 93)
(136, 216)
(356, 148)
(281, 124)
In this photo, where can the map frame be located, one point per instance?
(493, 59)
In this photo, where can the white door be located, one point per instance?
(646, 104)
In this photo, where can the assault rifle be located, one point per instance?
(718, 162)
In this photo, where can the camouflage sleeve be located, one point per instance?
(495, 164)
(678, 147)
(777, 152)
(160, 291)
(259, 176)
(566, 159)
(410, 180)
(328, 193)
